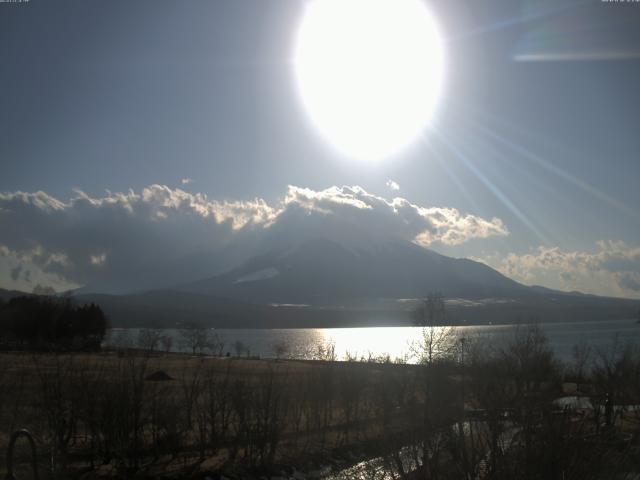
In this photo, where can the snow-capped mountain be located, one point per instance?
(320, 271)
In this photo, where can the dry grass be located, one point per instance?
(279, 411)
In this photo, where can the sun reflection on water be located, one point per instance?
(390, 343)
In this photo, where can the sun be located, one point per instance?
(369, 72)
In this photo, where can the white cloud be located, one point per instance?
(612, 268)
(164, 236)
(340, 211)
(19, 273)
(393, 185)
(186, 181)
(98, 260)
(153, 236)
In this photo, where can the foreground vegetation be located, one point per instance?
(466, 412)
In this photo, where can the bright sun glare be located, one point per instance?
(369, 72)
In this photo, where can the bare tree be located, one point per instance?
(58, 397)
(581, 353)
(431, 311)
(437, 340)
(530, 359)
(122, 339)
(616, 377)
(325, 351)
(215, 343)
(167, 343)
(149, 339)
(280, 348)
(196, 338)
(239, 348)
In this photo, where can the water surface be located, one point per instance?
(392, 342)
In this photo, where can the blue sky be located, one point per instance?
(537, 125)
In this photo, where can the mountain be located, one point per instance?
(320, 271)
(323, 282)
(173, 309)
(319, 282)
(6, 295)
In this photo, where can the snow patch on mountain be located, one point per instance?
(258, 275)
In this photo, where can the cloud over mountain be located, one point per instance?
(349, 211)
(136, 239)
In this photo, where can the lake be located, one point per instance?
(394, 342)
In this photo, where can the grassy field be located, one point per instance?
(134, 414)
(175, 413)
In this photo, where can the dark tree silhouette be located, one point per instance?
(50, 323)
(431, 311)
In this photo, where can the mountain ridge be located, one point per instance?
(322, 271)
(318, 282)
